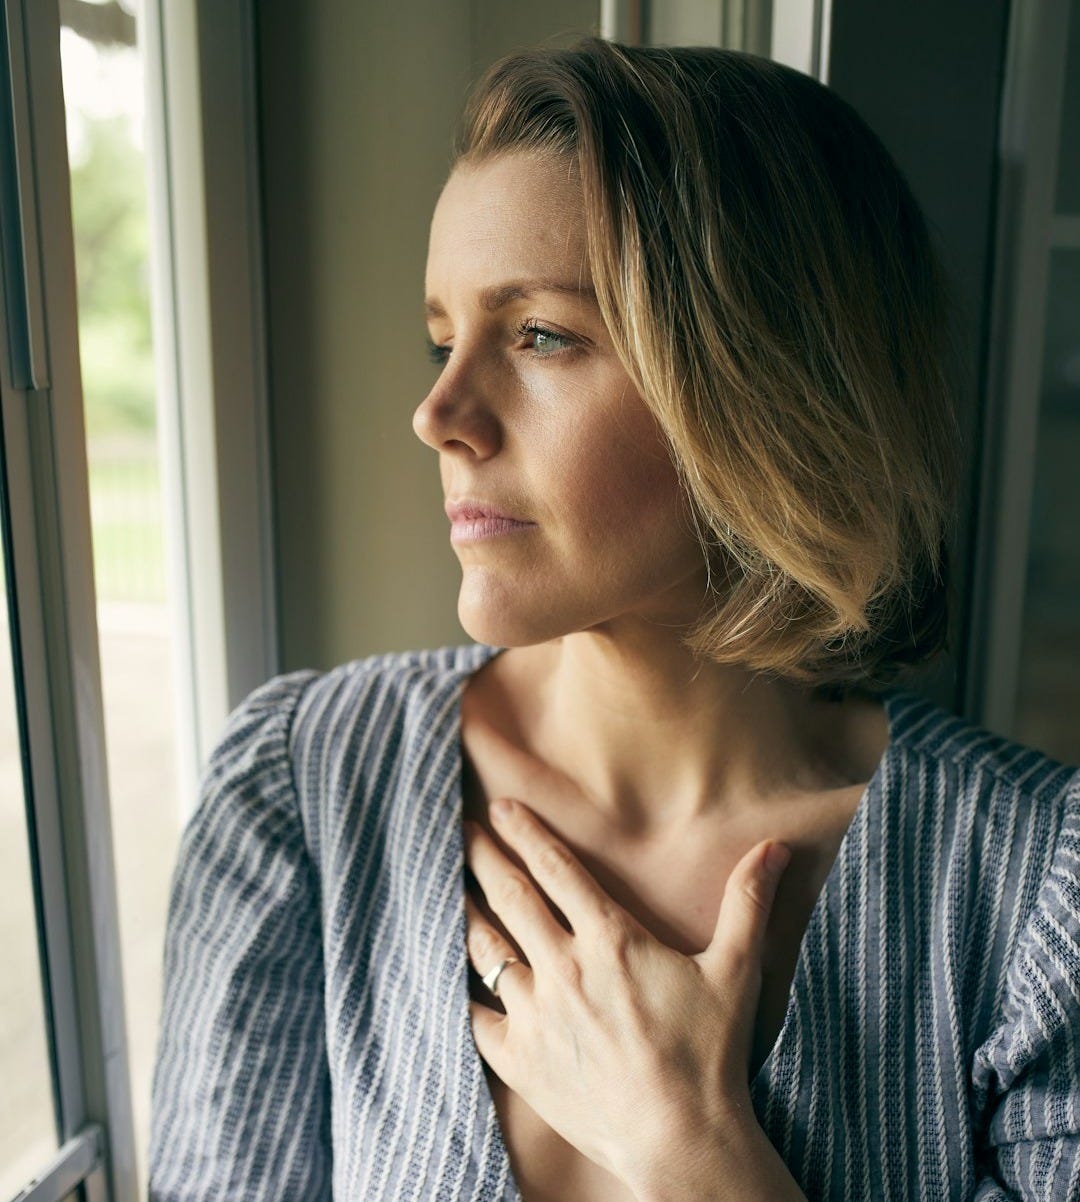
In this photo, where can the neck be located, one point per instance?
(659, 739)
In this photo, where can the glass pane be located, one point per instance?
(1068, 186)
(1049, 691)
(28, 1136)
(103, 92)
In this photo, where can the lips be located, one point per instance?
(468, 509)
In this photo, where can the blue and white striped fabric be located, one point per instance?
(315, 1038)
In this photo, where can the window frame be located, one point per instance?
(1027, 230)
(210, 342)
(55, 653)
(209, 318)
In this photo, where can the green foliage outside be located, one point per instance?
(108, 201)
(108, 198)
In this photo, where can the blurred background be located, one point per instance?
(241, 195)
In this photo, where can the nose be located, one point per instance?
(454, 415)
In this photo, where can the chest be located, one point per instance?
(549, 1169)
(676, 895)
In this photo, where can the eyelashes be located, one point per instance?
(555, 341)
(552, 342)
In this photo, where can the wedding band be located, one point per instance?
(491, 980)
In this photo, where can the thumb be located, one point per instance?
(736, 947)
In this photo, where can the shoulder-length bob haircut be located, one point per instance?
(770, 287)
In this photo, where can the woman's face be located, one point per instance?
(532, 415)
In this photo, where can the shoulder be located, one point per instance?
(305, 720)
(409, 692)
(949, 767)
(308, 743)
(975, 825)
(361, 726)
(979, 755)
(1029, 1062)
(986, 833)
(306, 705)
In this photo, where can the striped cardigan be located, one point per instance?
(315, 1038)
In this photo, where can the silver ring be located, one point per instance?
(491, 979)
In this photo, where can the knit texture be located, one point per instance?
(315, 1039)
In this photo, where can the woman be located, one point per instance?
(760, 924)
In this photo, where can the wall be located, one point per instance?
(358, 104)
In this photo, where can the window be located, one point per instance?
(141, 634)
(1048, 692)
(1026, 638)
(27, 1124)
(138, 601)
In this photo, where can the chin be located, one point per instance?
(502, 621)
(497, 631)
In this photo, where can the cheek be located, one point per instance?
(623, 478)
(608, 479)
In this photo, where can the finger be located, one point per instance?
(513, 897)
(488, 948)
(489, 1030)
(561, 875)
(749, 894)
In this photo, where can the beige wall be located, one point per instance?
(357, 104)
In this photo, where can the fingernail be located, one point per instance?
(501, 806)
(777, 858)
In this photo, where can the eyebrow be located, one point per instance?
(497, 295)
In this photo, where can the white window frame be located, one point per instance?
(211, 251)
(55, 653)
(210, 351)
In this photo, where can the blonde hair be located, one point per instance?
(769, 284)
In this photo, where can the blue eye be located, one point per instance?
(546, 343)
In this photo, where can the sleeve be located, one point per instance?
(1028, 1072)
(240, 1105)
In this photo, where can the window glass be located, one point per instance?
(103, 93)
(1048, 700)
(28, 1135)
(1068, 184)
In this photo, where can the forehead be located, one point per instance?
(514, 215)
